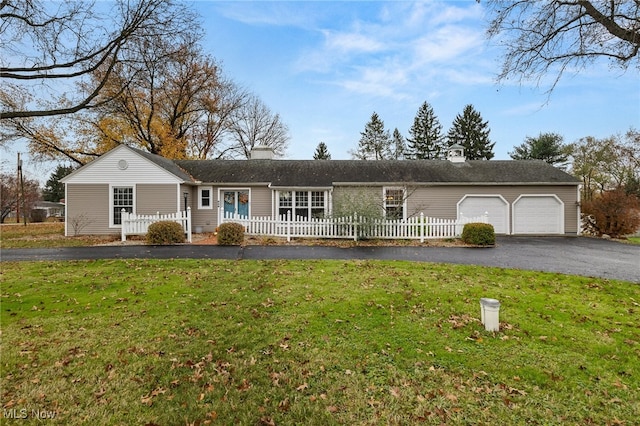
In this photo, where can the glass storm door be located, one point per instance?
(236, 202)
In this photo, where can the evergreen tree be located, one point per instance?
(375, 141)
(547, 147)
(54, 189)
(426, 141)
(399, 147)
(472, 133)
(322, 152)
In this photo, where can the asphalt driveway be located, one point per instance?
(568, 255)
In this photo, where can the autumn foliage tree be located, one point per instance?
(138, 76)
(157, 105)
(614, 213)
(65, 42)
(52, 53)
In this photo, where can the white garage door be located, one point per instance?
(495, 205)
(538, 214)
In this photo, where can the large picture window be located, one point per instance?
(394, 203)
(305, 204)
(122, 199)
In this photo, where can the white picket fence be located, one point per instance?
(415, 228)
(138, 224)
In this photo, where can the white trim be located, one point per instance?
(404, 199)
(66, 211)
(275, 199)
(513, 216)
(111, 224)
(220, 201)
(211, 200)
(104, 169)
(498, 196)
(579, 210)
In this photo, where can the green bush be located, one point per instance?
(230, 234)
(165, 232)
(480, 234)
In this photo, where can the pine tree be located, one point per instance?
(469, 131)
(399, 147)
(547, 147)
(322, 152)
(54, 189)
(375, 141)
(426, 141)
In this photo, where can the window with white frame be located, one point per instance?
(394, 203)
(305, 204)
(122, 198)
(205, 197)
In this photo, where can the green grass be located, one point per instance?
(634, 240)
(45, 235)
(315, 342)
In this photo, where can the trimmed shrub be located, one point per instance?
(480, 234)
(230, 234)
(165, 232)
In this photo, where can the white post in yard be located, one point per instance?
(490, 314)
(123, 231)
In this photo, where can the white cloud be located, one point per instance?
(403, 45)
(446, 44)
(267, 13)
(348, 43)
(378, 81)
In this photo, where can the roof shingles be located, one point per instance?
(326, 173)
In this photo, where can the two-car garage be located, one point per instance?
(540, 214)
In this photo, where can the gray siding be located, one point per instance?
(441, 201)
(261, 201)
(260, 205)
(88, 207)
(152, 198)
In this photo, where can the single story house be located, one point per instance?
(52, 209)
(520, 197)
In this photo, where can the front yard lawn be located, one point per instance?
(314, 342)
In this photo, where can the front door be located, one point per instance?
(236, 202)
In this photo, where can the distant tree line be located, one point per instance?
(426, 140)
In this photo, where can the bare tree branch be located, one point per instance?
(542, 37)
(69, 41)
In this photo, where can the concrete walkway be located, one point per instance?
(568, 255)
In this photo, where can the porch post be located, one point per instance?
(189, 224)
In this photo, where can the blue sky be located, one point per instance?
(326, 66)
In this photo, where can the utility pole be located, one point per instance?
(24, 207)
(18, 191)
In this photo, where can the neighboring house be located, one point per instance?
(51, 208)
(521, 197)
